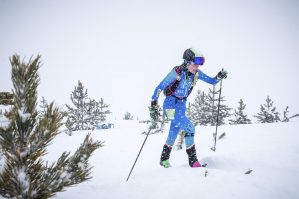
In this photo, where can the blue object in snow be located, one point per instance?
(105, 126)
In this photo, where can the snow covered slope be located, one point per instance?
(270, 150)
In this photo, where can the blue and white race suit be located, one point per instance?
(174, 106)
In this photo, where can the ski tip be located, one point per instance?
(249, 171)
(204, 165)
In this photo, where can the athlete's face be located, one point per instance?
(192, 68)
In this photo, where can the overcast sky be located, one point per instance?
(121, 50)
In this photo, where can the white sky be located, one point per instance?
(121, 50)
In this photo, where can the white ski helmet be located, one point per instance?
(193, 55)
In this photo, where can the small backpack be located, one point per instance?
(169, 90)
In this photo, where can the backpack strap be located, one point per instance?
(169, 90)
(193, 83)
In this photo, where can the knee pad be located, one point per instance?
(189, 135)
(189, 132)
(189, 139)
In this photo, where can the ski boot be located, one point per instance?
(165, 156)
(165, 164)
(193, 162)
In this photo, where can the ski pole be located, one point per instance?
(139, 152)
(217, 120)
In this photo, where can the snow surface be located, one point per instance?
(270, 150)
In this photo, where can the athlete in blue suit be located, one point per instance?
(177, 86)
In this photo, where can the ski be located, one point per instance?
(204, 165)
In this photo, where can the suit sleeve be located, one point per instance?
(206, 78)
(165, 82)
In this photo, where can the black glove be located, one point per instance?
(221, 74)
(154, 111)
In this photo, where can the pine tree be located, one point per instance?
(79, 98)
(128, 116)
(285, 115)
(24, 142)
(199, 110)
(212, 109)
(160, 124)
(44, 105)
(87, 113)
(268, 113)
(102, 110)
(239, 116)
(6, 98)
(91, 117)
(156, 126)
(205, 108)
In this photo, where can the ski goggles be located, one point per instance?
(199, 60)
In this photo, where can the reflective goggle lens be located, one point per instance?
(199, 60)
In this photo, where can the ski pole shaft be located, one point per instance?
(139, 153)
(217, 120)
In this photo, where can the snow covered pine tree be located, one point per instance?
(239, 116)
(6, 98)
(287, 118)
(224, 110)
(157, 123)
(268, 113)
(128, 116)
(285, 115)
(87, 112)
(198, 111)
(204, 110)
(43, 106)
(25, 138)
(101, 110)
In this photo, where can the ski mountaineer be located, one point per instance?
(177, 86)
